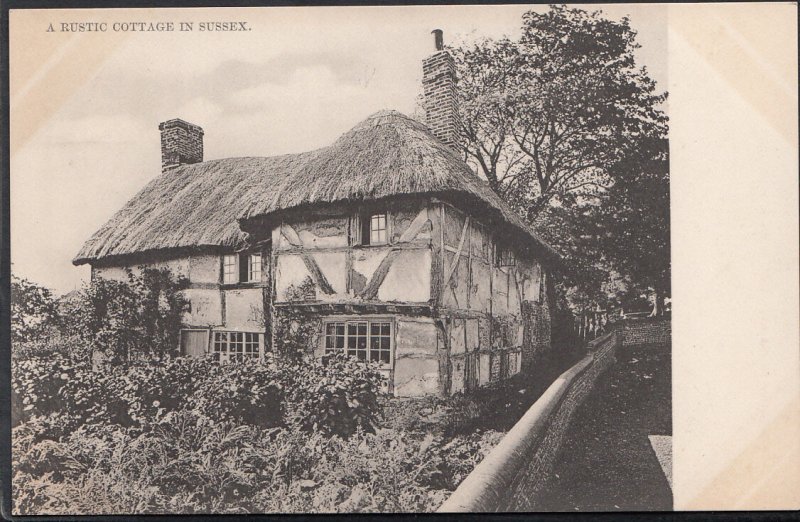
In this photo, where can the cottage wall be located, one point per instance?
(495, 315)
(212, 305)
(315, 251)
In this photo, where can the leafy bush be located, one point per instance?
(334, 396)
(241, 392)
(58, 394)
(131, 320)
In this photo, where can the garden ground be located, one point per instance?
(608, 462)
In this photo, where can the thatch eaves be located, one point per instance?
(201, 205)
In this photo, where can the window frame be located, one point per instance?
(241, 340)
(377, 229)
(240, 271)
(250, 264)
(234, 274)
(345, 337)
(504, 256)
(361, 228)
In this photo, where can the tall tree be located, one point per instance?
(546, 115)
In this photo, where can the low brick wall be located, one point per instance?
(514, 470)
(649, 330)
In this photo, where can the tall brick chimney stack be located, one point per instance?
(439, 86)
(181, 143)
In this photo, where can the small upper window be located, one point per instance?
(254, 268)
(230, 274)
(369, 229)
(377, 229)
(504, 256)
(241, 268)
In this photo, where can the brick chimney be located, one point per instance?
(181, 143)
(439, 86)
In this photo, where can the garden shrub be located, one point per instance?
(60, 394)
(334, 396)
(131, 320)
(241, 392)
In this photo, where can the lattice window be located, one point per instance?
(236, 346)
(504, 256)
(365, 340)
(251, 345)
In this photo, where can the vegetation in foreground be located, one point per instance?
(105, 422)
(193, 436)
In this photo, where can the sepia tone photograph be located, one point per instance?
(341, 260)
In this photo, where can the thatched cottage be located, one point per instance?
(384, 245)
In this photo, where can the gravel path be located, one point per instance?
(609, 463)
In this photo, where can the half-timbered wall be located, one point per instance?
(493, 312)
(318, 249)
(321, 268)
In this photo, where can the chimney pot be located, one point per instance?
(438, 39)
(181, 143)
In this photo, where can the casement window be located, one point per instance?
(236, 346)
(377, 229)
(254, 267)
(369, 229)
(366, 340)
(241, 268)
(230, 269)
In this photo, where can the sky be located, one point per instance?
(85, 107)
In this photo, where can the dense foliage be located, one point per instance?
(34, 311)
(135, 319)
(191, 435)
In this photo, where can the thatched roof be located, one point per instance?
(198, 205)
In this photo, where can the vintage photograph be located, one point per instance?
(340, 259)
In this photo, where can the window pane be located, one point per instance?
(255, 267)
(334, 337)
(229, 270)
(377, 229)
(251, 345)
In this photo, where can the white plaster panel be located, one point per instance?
(415, 337)
(206, 307)
(409, 278)
(244, 309)
(366, 260)
(204, 269)
(333, 266)
(290, 270)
